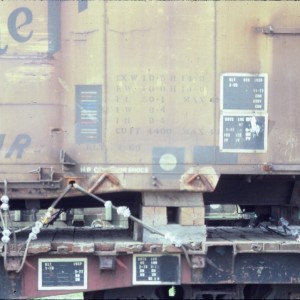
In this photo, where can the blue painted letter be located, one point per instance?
(13, 27)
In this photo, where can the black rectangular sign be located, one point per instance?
(244, 92)
(156, 269)
(62, 273)
(243, 133)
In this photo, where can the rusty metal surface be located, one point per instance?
(133, 135)
(11, 284)
(87, 241)
(106, 279)
(251, 240)
(229, 256)
(220, 264)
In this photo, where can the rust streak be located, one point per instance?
(206, 183)
(121, 264)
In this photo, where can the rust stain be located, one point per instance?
(83, 248)
(129, 248)
(29, 265)
(121, 264)
(36, 249)
(104, 246)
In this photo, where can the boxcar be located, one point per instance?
(150, 149)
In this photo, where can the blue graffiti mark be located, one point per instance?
(13, 27)
(2, 137)
(21, 142)
(82, 5)
(54, 26)
(3, 50)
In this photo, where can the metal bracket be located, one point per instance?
(199, 179)
(45, 181)
(270, 30)
(13, 262)
(65, 159)
(107, 263)
(114, 180)
(198, 262)
(45, 174)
